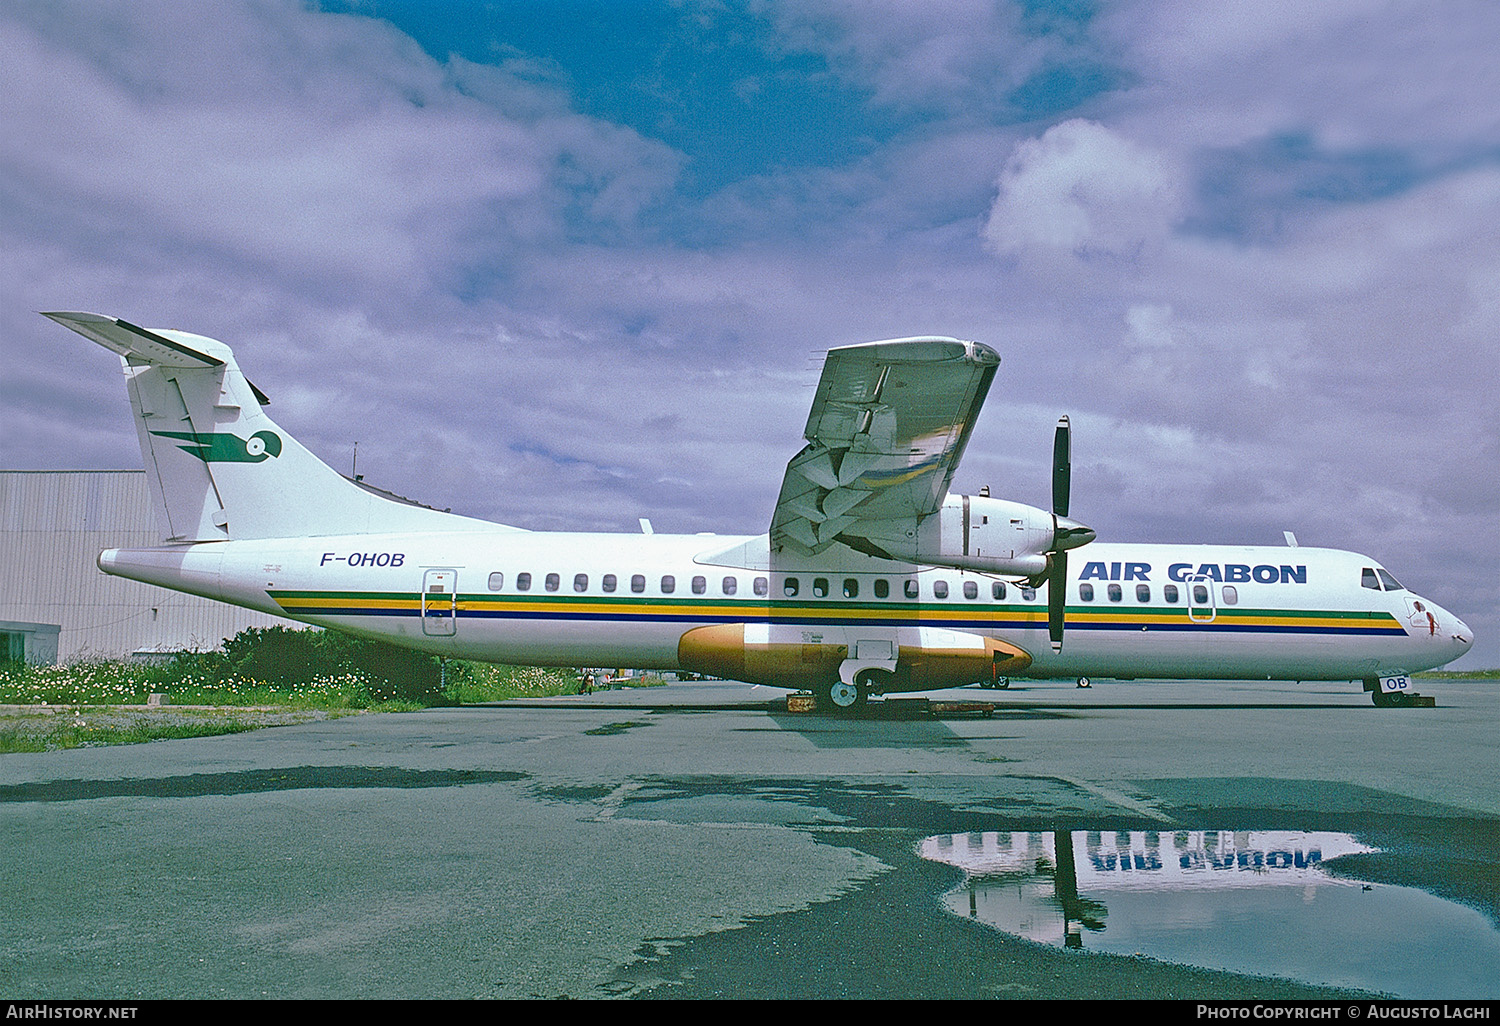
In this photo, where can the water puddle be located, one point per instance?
(1254, 902)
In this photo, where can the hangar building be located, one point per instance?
(53, 525)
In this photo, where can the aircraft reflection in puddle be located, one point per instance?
(1255, 902)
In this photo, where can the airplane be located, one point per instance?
(872, 578)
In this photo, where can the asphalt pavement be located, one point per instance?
(696, 840)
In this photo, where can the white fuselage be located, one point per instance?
(574, 599)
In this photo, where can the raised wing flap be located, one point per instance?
(141, 344)
(888, 425)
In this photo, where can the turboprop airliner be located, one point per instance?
(871, 579)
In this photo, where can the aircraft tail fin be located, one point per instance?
(219, 467)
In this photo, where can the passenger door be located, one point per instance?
(440, 602)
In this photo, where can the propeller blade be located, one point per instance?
(1062, 467)
(1057, 596)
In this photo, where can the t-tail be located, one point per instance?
(219, 467)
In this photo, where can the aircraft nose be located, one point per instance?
(1462, 635)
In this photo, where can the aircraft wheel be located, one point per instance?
(1083, 682)
(1387, 699)
(843, 697)
(1002, 683)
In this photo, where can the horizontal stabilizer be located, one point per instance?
(137, 343)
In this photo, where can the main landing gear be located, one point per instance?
(1084, 682)
(841, 697)
(850, 696)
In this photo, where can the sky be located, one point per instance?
(564, 265)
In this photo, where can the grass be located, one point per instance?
(104, 702)
(94, 726)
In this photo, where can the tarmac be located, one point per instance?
(698, 841)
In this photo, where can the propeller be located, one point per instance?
(1066, 534)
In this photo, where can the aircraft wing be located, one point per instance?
(888, 425)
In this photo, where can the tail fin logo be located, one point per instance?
(215, 448)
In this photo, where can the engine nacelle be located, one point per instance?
(806, 656)
(969, 532)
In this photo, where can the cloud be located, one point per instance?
(305, 146)
(914, 55)
(1255, 264)
(1084, 191)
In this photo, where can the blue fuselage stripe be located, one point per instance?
(993, 623)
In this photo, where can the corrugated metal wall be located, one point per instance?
(53, 524)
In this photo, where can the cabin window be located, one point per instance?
(882, 588)
(1116, 593)
(497, 581)
(1367, 579)
(1200, 594)
(851, 588)
(762, 586)
(1229, 594)
(939, 589)
(1391, 584)
(910, 589)
(580, 582)
(553, 580)
(638, 583)
(971, 589)
(700, 585)
(1028, 593)
(523, 582)
(668, 584)
(1169, 592)
(1143, 593)
(997, 590)
(1086, 592)
(790, 587)
(608, 582)
(731, 585)
(820, 587)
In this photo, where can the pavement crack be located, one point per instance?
(1119, 798)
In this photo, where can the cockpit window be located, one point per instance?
(1391, 584)
(1367, 579)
